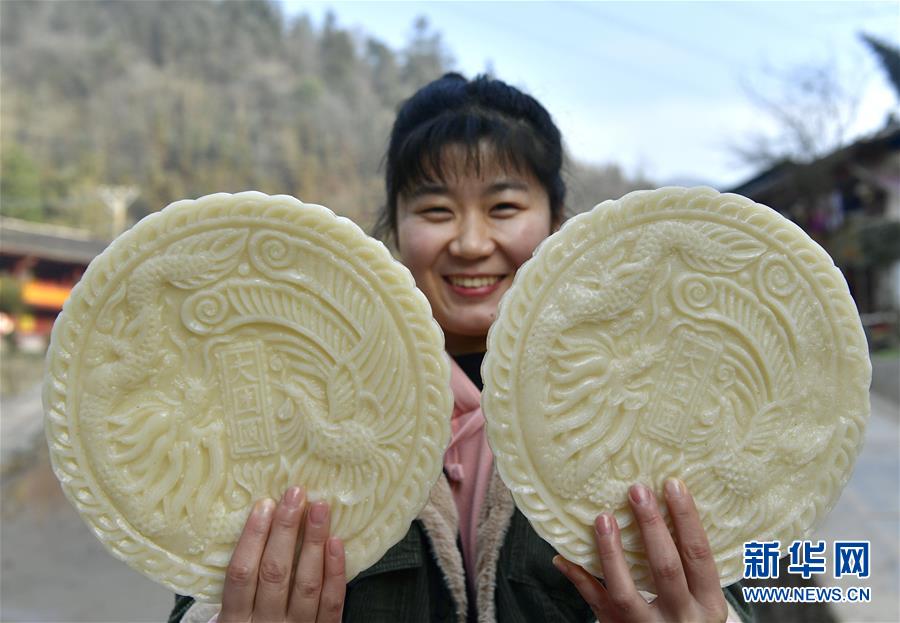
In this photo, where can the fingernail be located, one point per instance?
(674, 488)
(559, 563)
(639, 494)
(292, 497)
(334, 546)
(317, 513)
(603, 525)
(264, 507)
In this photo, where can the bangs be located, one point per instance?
(453, 127)
(427, 156)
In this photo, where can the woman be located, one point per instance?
(474, 184)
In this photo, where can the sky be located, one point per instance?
(658, 87)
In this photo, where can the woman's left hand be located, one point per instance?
(683, 569)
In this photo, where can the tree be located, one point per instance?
(889, 56)
(20, 186)
(385, 71)
(181, 99)
(810, 108)
(588, 185)
(425, 58)
(338, 56)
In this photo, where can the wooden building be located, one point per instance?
(849, 202)
(41, 263)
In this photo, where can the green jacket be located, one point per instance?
(421, 578)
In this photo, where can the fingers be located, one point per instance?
(622, 595)
(278, 558)
(239, 590)
(588, 587)
(334, 587)
(662, 555)
(258, 579)
(308, 581)
(686, 578)
(693, 546)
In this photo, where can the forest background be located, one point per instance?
(186, 98)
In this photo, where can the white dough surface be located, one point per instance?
(225, 349)
(677, 332)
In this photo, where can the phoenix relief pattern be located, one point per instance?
(230, 365)
(682, 355)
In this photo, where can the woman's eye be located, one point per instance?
(436, 212)
(505, 209)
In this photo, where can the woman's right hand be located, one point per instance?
(682, 564)
(262, 583)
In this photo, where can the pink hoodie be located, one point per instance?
(468, 463)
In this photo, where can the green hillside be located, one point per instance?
(181, 99)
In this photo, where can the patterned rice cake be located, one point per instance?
(677, 332)
(226, 348)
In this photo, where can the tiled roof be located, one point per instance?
(50, 242)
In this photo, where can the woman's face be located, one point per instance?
(463, 241)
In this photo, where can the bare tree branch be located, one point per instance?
(810, 107)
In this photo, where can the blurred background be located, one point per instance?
(110, 110)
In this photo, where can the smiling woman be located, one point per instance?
(473, 185)
(464, 239)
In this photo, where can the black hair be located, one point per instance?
(454, 111)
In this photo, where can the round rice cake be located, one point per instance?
(677, 332)
(225, 349)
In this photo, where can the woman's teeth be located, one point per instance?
(474, 282)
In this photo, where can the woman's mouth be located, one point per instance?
(473, 285)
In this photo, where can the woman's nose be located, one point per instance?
(473, 239)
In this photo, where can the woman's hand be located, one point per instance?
(262, 583)
(683, 570)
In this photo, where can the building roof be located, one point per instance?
(51, 242)
(781, 176)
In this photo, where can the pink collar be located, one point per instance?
(466, 396)
(468, 463)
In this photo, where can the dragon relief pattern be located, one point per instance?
(232, 364)
(691, 370)
(692, 345)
